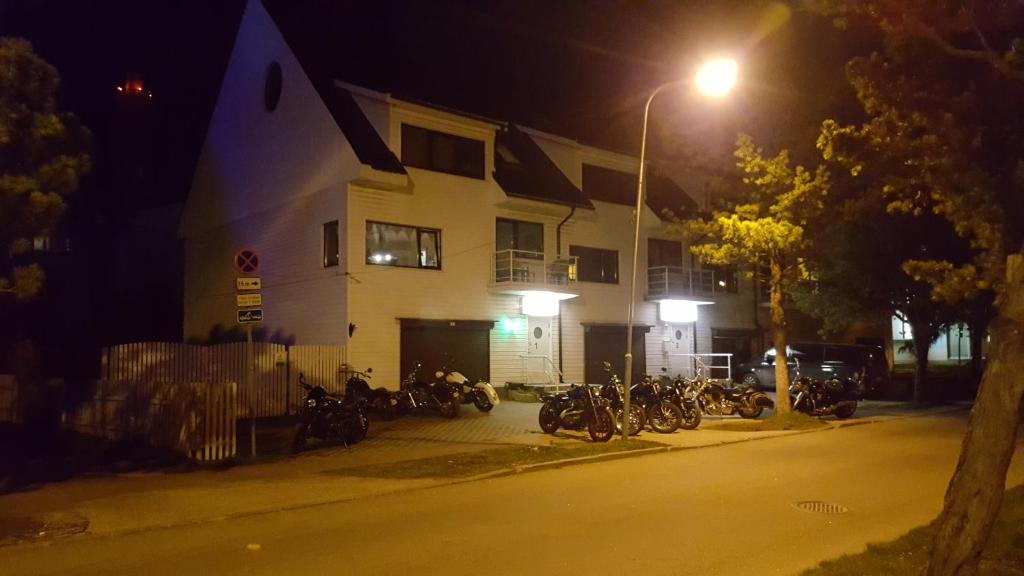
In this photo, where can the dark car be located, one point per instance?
(822, 361)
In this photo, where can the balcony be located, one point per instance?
(519, 271)
(676, 282)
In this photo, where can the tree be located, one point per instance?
(856, 266)
(948, 90)
(765, 229)
(43, 156)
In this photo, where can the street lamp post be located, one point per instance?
(715, 79)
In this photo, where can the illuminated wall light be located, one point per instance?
(678, 311)
(540, 304)
(511, 325)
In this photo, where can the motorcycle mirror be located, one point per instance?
(369, 370)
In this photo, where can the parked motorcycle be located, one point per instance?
(481, 394)
(716, 399)
(578, 407)
(659, 411)
(378, 400)
(824, 397)
(674, 390)
(613, 393)
(437, 395)
(329, 418)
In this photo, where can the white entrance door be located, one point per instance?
(538, 349)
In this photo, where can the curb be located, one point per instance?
(503, 472)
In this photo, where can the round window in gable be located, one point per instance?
(272, 86)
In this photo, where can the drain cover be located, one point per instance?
(821, 507)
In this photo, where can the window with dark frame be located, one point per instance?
(526, 237)
(403, 246)
(442, 152)
(331, 249)
(726, 278)
(664, 253)
(596, 264)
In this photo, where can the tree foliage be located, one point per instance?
(945, 136)
(765, 228)
(43, 156)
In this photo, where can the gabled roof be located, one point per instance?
(366, 142)
(618, 187)
(523, 170)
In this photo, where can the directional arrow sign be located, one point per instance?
(248, 283)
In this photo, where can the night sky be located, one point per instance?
(578, 69)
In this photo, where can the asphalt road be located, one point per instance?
(718, 510)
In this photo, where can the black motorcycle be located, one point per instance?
(661, 413)
(613, 393)
(674, 390)
(576, 408)
(328, 418)
(824, 397)
(436, 395)
(377, 400)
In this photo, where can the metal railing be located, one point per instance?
(697, 365)
(678, 281)
(549, 370)
(526, 267)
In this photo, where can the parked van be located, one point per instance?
(821, 360)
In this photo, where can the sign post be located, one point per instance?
(248, 262)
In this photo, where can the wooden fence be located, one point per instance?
(274, 392)
(8, 398)
(196, 418)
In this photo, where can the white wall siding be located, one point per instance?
(254, 160)
(303, 302)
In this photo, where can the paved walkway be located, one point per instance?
(132, 502)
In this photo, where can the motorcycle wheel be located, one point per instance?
(482, 402)
(665, 417)
(750, 410)
(636, 419)
(357, 429)
(384, 404)
(846, 411)
(548, 418)
(691, 418)
(299, 438)
(450, 409)
(602, 426)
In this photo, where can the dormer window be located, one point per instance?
(442, 152)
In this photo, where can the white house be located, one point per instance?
(435, 232)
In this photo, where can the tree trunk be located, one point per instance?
(976, 489)
(922, 342)
(977, 331)
(779, 337)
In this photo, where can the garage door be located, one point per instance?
(602, 342)
(465, 344)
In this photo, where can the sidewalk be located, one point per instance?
(140, 501)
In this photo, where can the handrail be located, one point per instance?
(548, 361)
(702, 367)
(665, 280)
(524, 266)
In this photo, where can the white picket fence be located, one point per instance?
(275, 390)
(193, 418)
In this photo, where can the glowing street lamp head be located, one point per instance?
(717, 77)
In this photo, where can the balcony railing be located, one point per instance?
(533, 268)
(676, 281)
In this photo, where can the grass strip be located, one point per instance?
(791, 421)
(473, 463)
(907, 555)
